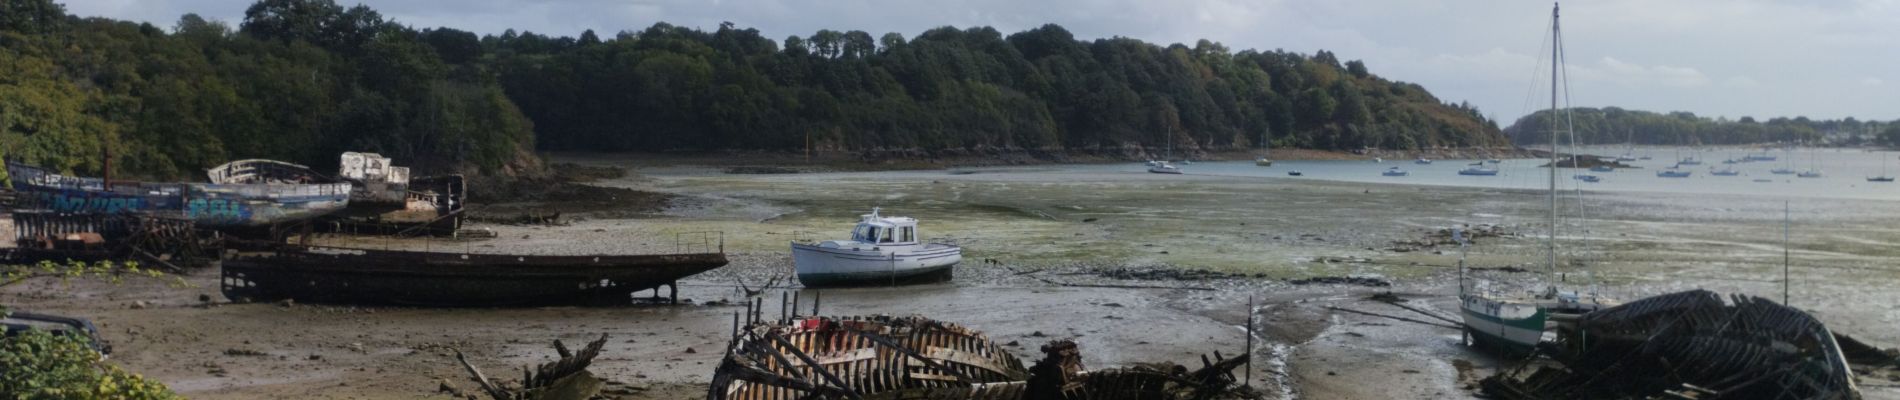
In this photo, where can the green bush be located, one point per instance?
(41, 365)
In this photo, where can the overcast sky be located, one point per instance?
(1761, 58)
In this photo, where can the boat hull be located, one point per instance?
(823, 266)
(208, 205)
(356, 276)
(1508, 328)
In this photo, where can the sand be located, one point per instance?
(1042, 227)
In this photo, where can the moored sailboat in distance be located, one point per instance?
(1479, 169)
(1884, 177)
(1394, 171)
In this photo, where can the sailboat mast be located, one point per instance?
(1551, 240)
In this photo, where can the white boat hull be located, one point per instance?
(851, 263)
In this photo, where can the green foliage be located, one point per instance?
(673, 88)
(1616, 125)
(113, 272)
(41, 365)
(302, 82)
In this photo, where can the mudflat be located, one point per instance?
(1052, 252)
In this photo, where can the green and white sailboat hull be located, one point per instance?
(1505, 326)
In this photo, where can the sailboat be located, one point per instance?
(1728, 168)
(1266, 150)
(1479, 169)
(1629, 153)
(1883, 172)
(1812, 172)
(1515, 324)
(1163, 166)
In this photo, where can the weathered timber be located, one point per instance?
(890, 358)
(273, 271)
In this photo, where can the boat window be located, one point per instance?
(869, 235)
(909, 235)
(887, 236)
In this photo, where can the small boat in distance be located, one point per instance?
(1165, 168)
(1587, 178)
(1726, 171)
(1809, 174)
(1263, 162)
(882, 250)
(1690, 160)
(1645, 158)
(1493, 161)
(1423, 161)
(1394, 171)
(1602, 168)
(1782, 171)
(1674, 172)
(1378, 160)
(1883, 173)
(1479, 169)
(1758, 157)
(1294, 173)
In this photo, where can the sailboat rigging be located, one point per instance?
(1515, 324)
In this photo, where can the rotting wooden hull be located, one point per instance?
(914, 358)
(358, 276)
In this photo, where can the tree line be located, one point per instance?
(1611, 125)
(298, 80)
(302, 80)
(1042, 90)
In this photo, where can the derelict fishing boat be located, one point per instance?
(313, 274)
(882, 251)
(209, 205)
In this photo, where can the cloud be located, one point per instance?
(1740, 81)
(1609, 69)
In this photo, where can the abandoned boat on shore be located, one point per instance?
(275, 271)
(383, 197)
(209, 205)
(882, 251)
(889, 358)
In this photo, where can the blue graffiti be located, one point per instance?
(216, 209)
(80, 202)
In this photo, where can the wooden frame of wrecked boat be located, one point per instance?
(891, 358)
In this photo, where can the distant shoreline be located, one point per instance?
(919, 160)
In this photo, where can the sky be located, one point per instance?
(1732, 58)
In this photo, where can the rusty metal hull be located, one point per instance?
(356, 276)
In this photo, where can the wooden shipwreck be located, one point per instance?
(1687, 345)
(883, 357)
(383, 197)
(316, 274)
(209, 205)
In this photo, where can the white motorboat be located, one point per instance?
(882, 251)
(1165, 168)
(1394, 171)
